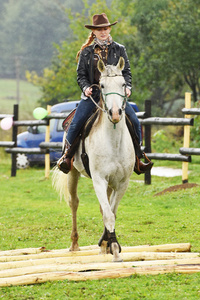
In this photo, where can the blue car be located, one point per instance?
(36, 134)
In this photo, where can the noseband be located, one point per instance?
(113, 93)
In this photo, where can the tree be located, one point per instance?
(148, 78)
(167, 47)
(179, 42)
(28, 30)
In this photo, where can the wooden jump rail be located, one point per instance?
(7, 144)
(27, 150)
(2, 116)
(189, 151)
(186, 122)
(167, 121)
(53, 145)
(191, 111)
(171, 157)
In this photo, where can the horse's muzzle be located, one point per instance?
(115, 115)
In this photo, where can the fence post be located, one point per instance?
(186, 141)
(14, 138)
(147, 139)
(47, 139)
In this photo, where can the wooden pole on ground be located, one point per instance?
(27, 254)
(132, 256)
(94, 266)
(87, 250)
(47, 139)
(186, 142)
(97, 275)
(85, 264)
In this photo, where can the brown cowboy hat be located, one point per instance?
(100, 21)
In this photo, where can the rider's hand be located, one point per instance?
(128, 92)
(88, 92)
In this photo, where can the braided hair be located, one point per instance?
(87, 43)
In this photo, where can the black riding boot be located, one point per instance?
(65, 163)
(140, 167)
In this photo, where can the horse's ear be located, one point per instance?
(121, 63)
(100, 66)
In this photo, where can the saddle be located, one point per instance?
(85, 132)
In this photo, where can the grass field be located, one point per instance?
(29, 96)
(31, 215)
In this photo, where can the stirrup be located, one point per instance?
(141, 167)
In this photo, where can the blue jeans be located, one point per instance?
(84, 111)
(134, 120)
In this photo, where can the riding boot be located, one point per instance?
(65, 162)
(141, 167)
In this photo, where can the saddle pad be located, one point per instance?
(66, 123)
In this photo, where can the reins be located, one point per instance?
(94, 100)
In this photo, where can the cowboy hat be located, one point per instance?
(100, 21)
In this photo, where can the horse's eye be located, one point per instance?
(124, 84)
(102, 86)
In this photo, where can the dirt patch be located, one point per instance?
(177, 188)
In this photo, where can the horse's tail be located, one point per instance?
(59, 182)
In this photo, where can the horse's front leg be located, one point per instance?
(103, 242)
(73, 203)
(115, 198)
(100, 187)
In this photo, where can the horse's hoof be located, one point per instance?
(74, 248)
(117, 259)
(103, 248)
(115, 251)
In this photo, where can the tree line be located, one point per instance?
(28, 31)
(161, 38)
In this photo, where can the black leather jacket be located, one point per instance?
(85, 72)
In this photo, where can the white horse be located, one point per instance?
(111, 159)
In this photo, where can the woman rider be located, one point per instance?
(103, 47)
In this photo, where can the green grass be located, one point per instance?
(31, 215)
(29, 97)
(168, 287)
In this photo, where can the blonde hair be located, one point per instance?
(87, 43)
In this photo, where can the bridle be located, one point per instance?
(114, 93)
(104, 95)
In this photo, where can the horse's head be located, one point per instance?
(113, 89)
